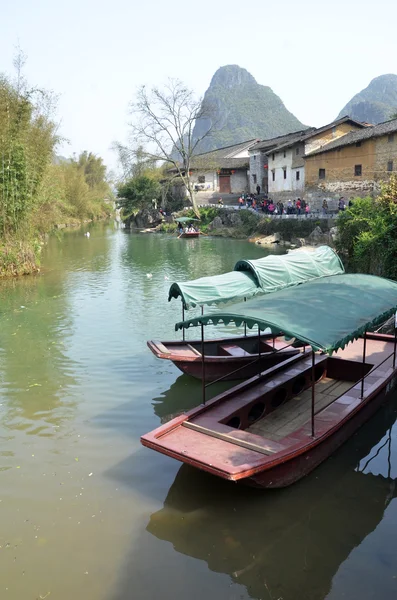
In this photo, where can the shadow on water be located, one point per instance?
(280, 544)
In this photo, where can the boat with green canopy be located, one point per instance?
(188, 232)
(237, 356)
(279, 425)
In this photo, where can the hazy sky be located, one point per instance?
(314, 54)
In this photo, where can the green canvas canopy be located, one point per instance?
(262, 276)
(186, 219)
(279, 271)
(326, 313)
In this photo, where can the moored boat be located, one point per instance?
(235, 357)
(228, 358)
(278, 426)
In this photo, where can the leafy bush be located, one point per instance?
(368, 233)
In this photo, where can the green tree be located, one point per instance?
(368, 232)
(93, 168)
(137, 193)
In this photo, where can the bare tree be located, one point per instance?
(164, 122)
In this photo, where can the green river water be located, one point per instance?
(88, 513)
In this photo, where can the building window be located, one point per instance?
(297, 150)
(298, 175)
(254, 156)
(390, 165)
(273, 175)
(273, 156)
(390, 139)
(285, 173)
(254, 178)
(321, 173)
(358, 144)
(357, 170)
(201, 178)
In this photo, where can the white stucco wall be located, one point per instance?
(278, 165)
(211, 179)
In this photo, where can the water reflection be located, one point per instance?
(37, 375)
(285, 543)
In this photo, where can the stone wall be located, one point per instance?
(239, 181)
(257, 169)
(385, 151)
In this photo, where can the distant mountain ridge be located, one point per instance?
(242, 109)
(376, 103)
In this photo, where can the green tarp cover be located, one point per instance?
(213, 290)
(279, 271)
(262, 276)
(325, 313)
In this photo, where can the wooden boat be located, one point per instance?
(228, 358)
(278, 426)
(250, 278)
(339, 509)
(189, 234)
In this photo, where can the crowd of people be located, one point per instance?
(270, 207)
(291, 207)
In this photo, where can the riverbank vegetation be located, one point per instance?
(367, 233)
(37, 189)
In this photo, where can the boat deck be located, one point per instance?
(297, 411)
(225, 438)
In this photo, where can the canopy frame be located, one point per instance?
(358, 328)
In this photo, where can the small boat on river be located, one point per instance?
(189, 234)
(238, 357)
(228, 358)
(275, 428)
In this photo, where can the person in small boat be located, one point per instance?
(180, 228)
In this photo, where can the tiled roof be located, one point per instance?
(358, 136)
(224, 157)
(315, 131)
(281, 139)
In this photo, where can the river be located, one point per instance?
(88, 513)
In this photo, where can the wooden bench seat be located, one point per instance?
(233, 350)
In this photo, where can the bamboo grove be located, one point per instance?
(37, 189)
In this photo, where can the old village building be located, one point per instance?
(224, 170)
(286, 161)
(353, 165)
(258, 153)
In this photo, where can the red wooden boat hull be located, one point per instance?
(246, 367)
(205, 437)
(230, 368)
(192, 234)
